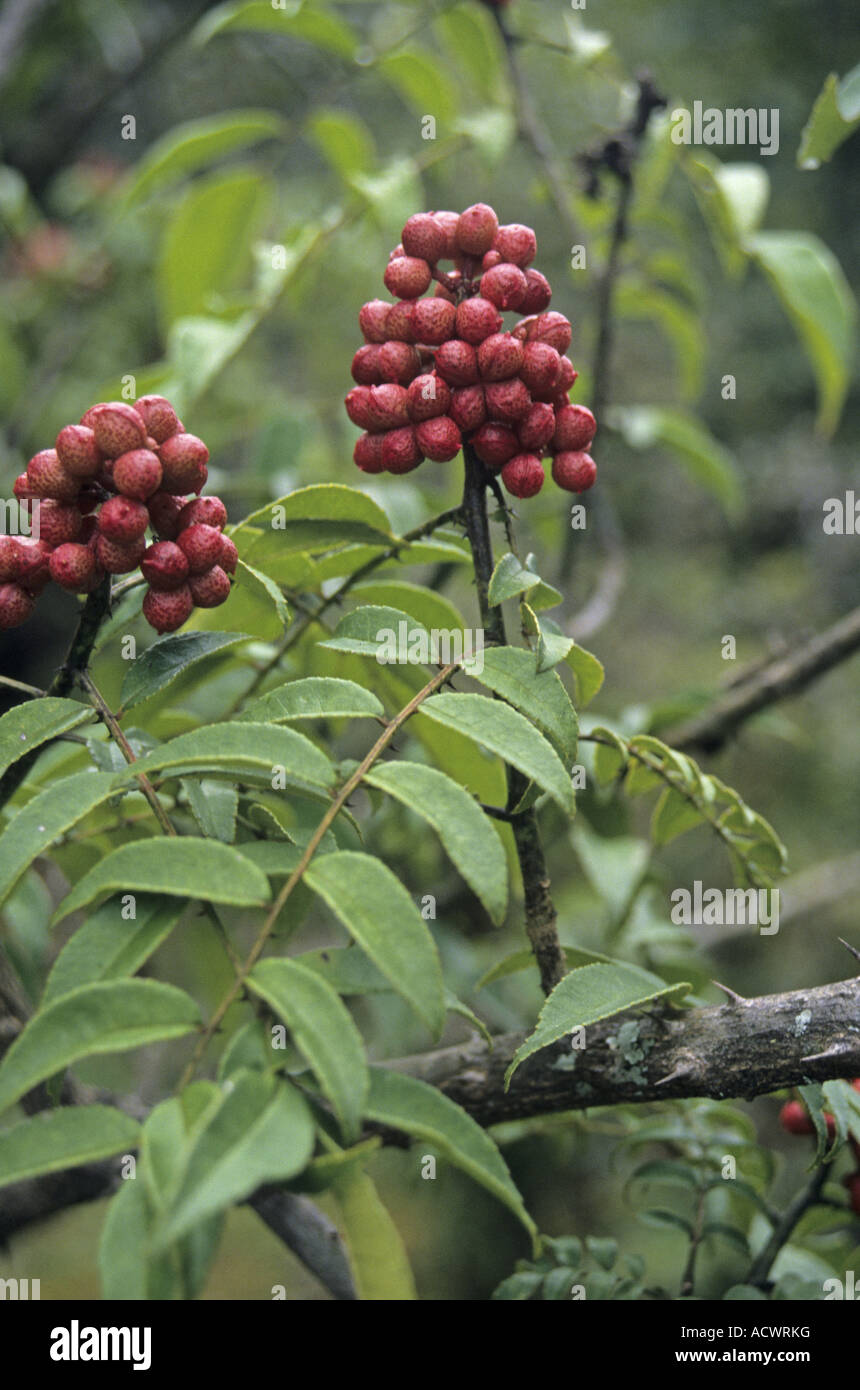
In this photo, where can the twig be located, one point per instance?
(688, 1278)
(806, 1198)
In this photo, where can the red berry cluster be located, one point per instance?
(122, 470)
(439, 370)
(795, 1119)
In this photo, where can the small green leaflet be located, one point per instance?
(510, 578)
(835, 116)
(320, 516)
(314, 697)
(588, 674)
(44, 819)
(108, 947)
(311, 22)
(510, 672)
(64, 1138)
(34, 722)
(587, 995)
(214, 806)
(196, 144)
(243, 750)
(377, 1256)
(388, 634)
(167, 658)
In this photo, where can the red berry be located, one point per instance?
(229, 557)
(574, 471)
(540, 369)
(210, 589)
(457, 363)
(432, 320)
(428, 395)
(10, 559)
(21, 488)
(357, 402)
(476, 319)
(398, 362)
(78, 452)
(400, 451)
(183, 462)
(16, 605)
(398, 322)
(117, 427)
(567, 375)
(551, 328)
(56, 522)
(438, 439)
(407, 277)
(388, 407)
(495, 444)
(516, 243)
(574, 428)
(535, 430)
(33, 557)
(504, 285)
(367, 453)
(794, 1118)
(137, 474)
(538, 293)
(210, 510)
(500, 356)
(164, 565)
(168, 611)
(424, 237)
(201, 546)
(365, 365)
(448, 222)
(372, 319)
(491, 258)
(159, 417)
(507, 400)
(164, 511)
(122, 519)
(46, 477)
(118, 558)
(468, 408)
(523, 475)
(476, 229)
(74, 566)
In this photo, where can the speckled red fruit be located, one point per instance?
(164, 511)
(357, 402)
(516, 243)
(476, 319)
(538, 293)
(457, 363)
(164, 565)
(567, 375)
(507, 400)
(210, 589)
(210, 510)
(123, 519)
(398, 322)
(117, 427)
(535, 430)
(575, 428)
(476, 229)
(137, 474)
(574, 471)
(116, 558)
(424, 237)
(34, 555)
(16, 605)
(398, 362)
(491, 258)
(552, 328)
(523, 475)
(46, 477)
(365, 365)
(468, 408)
(10, 559)
(448, 222)
(78, 452)
(74, 567)
(367, 453)
(432, 320)
(407, 277)
(500, 356)
(183, 458)
(372, 320)
(168, 611)
(400, 450)
(229, 557)
(21, 488)
(428, 395)
(388, 407)
(495, 444)
(56, 522)
(159, 417)
(438, 439)
(504, 285)
(201, 546)
(539, 370)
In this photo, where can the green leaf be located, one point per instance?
(34, 722)
(501, 729)
(314, 697)
(377, 1256)
(250, 752)
(673, 814)
(380, 915)
(108, 946)
(412, 1106)
(391, 195)
(422, 83)
(585, 996)
(432, 609)
(323, 1031)
(492, 131)
(168, 658)
(388, 634)
(214, 806)
(705, 459)
(44, 819)
(344, 140)
(196, 144)
(613, 864)
(541, 697)
(588, 674)
(127, 1267)
(64, 1138)
(610, 755)
(310, 22)
(525, 960)
(510, 578)
(817, 298)
(835, 116)
(110, 1016)
(207, 246)
(260, 1130)
(256, 605)
(732, 199)
(347, 969)
(466, 833)
(472, 38)
(184, 868)
(320, 516)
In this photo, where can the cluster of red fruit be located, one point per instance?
(90, 500)
(436, 372)
(795, 1119)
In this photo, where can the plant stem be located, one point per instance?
(688, 1278)
(806, 1198)
(539, 907)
